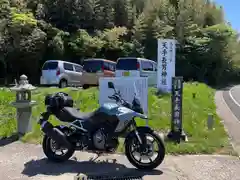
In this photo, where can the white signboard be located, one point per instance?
(127, 86)
(166, 63)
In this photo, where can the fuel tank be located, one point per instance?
(106, 115)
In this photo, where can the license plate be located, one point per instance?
(126, 74)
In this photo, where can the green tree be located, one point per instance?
(83, 45)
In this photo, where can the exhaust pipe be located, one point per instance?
(55, 134)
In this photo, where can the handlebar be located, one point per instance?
(112, 97)
(117, 97)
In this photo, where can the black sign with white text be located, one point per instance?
(177, 91)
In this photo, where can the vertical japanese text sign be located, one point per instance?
(177, 92)
(166, 64)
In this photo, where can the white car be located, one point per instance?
(137, 67)
(61, 73)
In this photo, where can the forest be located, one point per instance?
(33, 31)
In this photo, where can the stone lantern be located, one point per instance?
(23, 104)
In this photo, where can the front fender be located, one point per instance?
(140, 129)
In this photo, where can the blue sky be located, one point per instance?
(231, 11)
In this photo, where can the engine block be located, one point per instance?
(102, 140)
(99, 139)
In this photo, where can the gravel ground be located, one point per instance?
(27, 161)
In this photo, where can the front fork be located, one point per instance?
(140, 137)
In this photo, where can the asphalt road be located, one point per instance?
(232, 98)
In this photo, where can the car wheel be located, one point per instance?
(85, 86)
(63, 83)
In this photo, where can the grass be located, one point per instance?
(195, 114)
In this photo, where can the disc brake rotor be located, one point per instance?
(147, 152)
(55, 147)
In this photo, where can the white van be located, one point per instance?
(61, 73)
(137, 67)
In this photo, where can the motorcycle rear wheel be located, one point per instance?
(152, 164)
(51, 155)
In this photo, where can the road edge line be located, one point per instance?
(226, 127)
(231, 96)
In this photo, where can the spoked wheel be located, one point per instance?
(54, 152)
(148, 155)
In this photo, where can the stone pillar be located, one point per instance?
(24, 124)
(23, 104)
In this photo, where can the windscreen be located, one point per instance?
(127, 64)
(92, 66)
(50, 66)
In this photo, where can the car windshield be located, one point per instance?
(50, 66)
(127, 64)
(92, 66)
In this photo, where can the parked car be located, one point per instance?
(138, 67)
(61, 73)
(95, 68)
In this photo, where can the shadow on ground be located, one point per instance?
(44, 167)
(9, 140)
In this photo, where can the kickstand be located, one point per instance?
(95, 158)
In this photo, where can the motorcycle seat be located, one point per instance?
(76, 114)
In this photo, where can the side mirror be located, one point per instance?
(110, 85)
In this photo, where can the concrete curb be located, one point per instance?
(229, 120)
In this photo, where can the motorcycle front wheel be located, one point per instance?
(143, 158)
(55, 153)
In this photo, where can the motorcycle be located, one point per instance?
(99, 131)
